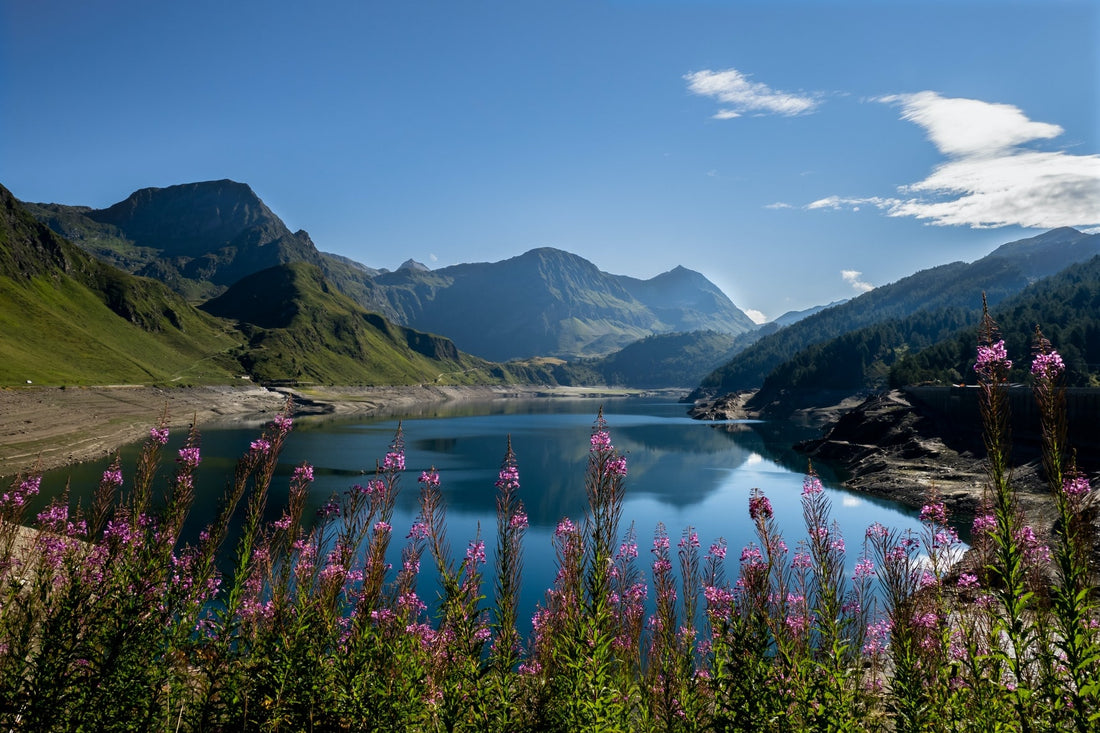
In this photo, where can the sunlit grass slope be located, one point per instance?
(300, 328)
(66, 318)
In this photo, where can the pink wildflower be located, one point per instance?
(1047, 366)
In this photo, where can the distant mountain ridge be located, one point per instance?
(201, 238)
(1004, 272)
(549, 302)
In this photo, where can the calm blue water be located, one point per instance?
(681, 472)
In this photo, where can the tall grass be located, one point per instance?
(110, 621)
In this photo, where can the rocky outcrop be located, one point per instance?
(893, 447)
(727, 407)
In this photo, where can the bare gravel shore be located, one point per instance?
(55, 426)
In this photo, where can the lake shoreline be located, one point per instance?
(43, 428)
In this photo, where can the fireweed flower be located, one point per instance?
(189, 457)
(430, 479)
(759, 506)
(158, 435)
(381, 527)
(933, 513)
(811, 485)
(260, 445)
(508, 478)
(968, 580)
(518, 521)
(692, 540)
(617, 466)
(475, 553)
(27, 488)
(992, 360)
(1047, 366)
(395, 461)
(865, 568)
(282, 423)
(565, 527)
(113, 477)
(601, 442)
(419, 531)
(984, 524)
(1076, 486)
(303, 472)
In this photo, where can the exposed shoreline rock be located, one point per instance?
(890, 447)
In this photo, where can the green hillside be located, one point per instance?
(300, 328)
(660, 361)
(66, 318)
(1067, 308)
(1002, 273)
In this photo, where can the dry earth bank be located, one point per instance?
(56, 426)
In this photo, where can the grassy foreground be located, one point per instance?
(108, 621)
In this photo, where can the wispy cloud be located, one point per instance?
(756, 316)
(741, 96)
(989, 178)
(778, 205)
(852, 277)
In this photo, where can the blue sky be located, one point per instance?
(793, 152)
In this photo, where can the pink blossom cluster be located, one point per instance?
(282, 423)
(1076, 486)
(1047, 366)
(189, 457)
(935, 512)
(508, 479)
(759, 507)
(395, 461)
(992, 360)
(18, 495)
(601, 442)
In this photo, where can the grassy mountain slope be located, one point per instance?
(68, 318)
(301, 328)
(1000, 274)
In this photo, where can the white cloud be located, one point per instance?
(989, 179)
(433, 258)
(963, 127)
(852, 278)
(778, 205)
(741, 96)
(756, 316)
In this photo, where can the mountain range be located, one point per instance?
(203, 281)
(201, 238)
(69, 318)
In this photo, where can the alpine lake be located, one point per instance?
(681, 472)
